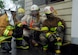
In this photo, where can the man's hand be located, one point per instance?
(26, 27)
(59, 29)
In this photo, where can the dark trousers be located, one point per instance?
(27, 39)
(6, 45)
(19, 41)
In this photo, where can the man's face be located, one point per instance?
(49, 15)
(34, 13)
(14, 14)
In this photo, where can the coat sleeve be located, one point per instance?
(3, 24)
(27, 19)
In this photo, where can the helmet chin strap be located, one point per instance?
(10, 17)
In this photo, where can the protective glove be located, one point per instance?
(26, 27)
(51, 37)
(59, 29)
(17, 32)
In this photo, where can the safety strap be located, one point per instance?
(31, 23)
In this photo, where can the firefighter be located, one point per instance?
(33, 20)
(20, 13)
(54, 29)
(8, 27)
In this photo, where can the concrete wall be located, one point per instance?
(28, 4)
(64, 10)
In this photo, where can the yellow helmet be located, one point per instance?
(21, 10)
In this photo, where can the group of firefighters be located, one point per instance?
(46, 31)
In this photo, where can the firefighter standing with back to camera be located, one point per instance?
(54, 29)
(34, 20)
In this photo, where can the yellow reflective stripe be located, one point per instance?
(60, 24)
(58, 43)
(26, 47)
(45, 46)
(18, 46)
(53, 29)
(36, 44)
(6, 32)
(44, 29)
(6, 41)
(19, 25)
(10, 27)
(58, 51)
(47, 34)
(19, 38)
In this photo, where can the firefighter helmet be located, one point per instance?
(49, 10)
(12, 7)
(34, 7)
(21, 10)
(9, 5)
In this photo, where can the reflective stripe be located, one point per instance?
(0, 45)
(19, 25)
(45, 46)
(58, 43)
(44, 29)
(10, 27)
(58, 51)
(18, 46)
(6, 32)
(26, 47)
(60, 24)
(6, 41)
(19, 38)
(47, 34)
(53, 29)
(3, 38)
(36, 45)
